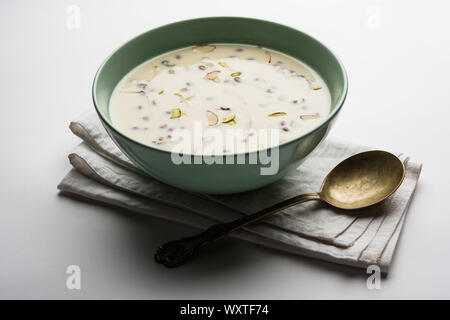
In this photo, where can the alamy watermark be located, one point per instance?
(73, 21)
(223, 147)
(373, 18)
(374, 280)
(73, 281)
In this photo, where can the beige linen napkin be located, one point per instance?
(359, 239)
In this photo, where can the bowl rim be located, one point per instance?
(330, 116)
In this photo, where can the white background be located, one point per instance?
(397, 54)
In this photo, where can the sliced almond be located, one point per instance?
(204, 49)
(213, 75)
(147, 73)
(303, 70)
(309, 116)
(159, 142)
(213, 119)
(277, 114)
(268, 57)
(183, 99)
(154, 72)
(312, 85)
(132, 91)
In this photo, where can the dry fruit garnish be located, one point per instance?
(268, 57)
(153, 73)
(304, 72)
(229, 120)
(213, 75)
(223, 64)
(183, 99)
(167, 63)
(309, 116)
(236, 74)
(133, 91)
(312, 85)
(277, 114)
(161, 92)
(176, 113)
(213, 119)
(204, 49)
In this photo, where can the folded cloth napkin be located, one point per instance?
(358, 238)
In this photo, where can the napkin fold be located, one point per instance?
(358, 238)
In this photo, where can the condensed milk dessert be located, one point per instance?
(217, 99)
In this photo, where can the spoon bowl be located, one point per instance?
(363, 180)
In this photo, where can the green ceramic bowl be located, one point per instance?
(218, 178)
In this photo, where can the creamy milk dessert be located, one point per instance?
(217, 89)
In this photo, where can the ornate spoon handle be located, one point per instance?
(175, 253)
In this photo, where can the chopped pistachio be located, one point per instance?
(167, 63)
(176, 113)
(213, 119)
(223, 64)
(231, 123)
(277, 114)
(236, 74)
(161, 92)
(229, 119)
